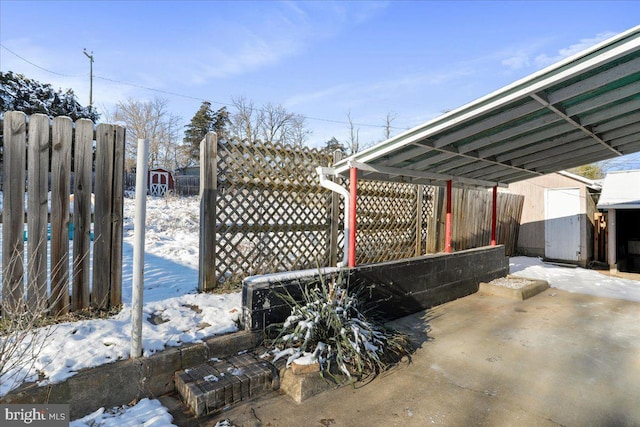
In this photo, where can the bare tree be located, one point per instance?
(246, 121)
(270, 122)
(299, 132)
(280, 125)
(354, 135)
(387, 124)
(275, 123)
(149, 120)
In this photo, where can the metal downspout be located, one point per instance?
(323, 172)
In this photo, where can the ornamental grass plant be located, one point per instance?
(332, 324)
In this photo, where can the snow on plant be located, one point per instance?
(329, 326)
(25, 324)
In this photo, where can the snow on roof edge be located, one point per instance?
(620, 190)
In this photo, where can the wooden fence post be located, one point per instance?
(208, 196)
(117, 206)
(438, 228)
(334, 219)
(107, 246)
(83, 161)
(15, 139)
(37, 207)
(102, 224)
(60, 181)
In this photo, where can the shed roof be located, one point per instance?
(621, 190)
(591, 183)
(583, 109)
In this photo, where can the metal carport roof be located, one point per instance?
(583, 109)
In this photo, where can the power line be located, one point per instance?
(195, 98)
(226, 104)
(166, 92)
(608, 164)
(36, 65)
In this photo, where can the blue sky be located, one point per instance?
(413, 59)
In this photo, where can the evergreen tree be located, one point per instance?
(333, 145)
(205, 120)
(19, 93)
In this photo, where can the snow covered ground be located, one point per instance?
(578, 280)
(171, 276)
(171, 280)
(147, 413)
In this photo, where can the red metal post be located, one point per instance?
(447, 223)
(494, 215)
(353, 190)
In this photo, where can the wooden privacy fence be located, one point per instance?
(471, 219)
(263, 211)
(28, 146)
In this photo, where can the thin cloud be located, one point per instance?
(284, 33)
(517, 61)
(352, 94)
(543, 60)
(254, 53)
(520, 56)
(526, 56)
(368, 10)
(311, 97)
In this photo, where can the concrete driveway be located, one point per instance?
(555, 359)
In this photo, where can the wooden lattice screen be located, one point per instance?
(391, 220)
(271, 213)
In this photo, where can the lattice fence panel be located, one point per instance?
(386, 221)
(271, 213)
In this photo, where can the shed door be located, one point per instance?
(159, 183)
(562, 224)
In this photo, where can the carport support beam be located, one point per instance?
(353, 190)
(447, 223)
(612, 255)
(494, 215)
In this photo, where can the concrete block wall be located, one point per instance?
(400, 288)
(262, 304)
(397, 288)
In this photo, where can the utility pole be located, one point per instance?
(90, 77)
